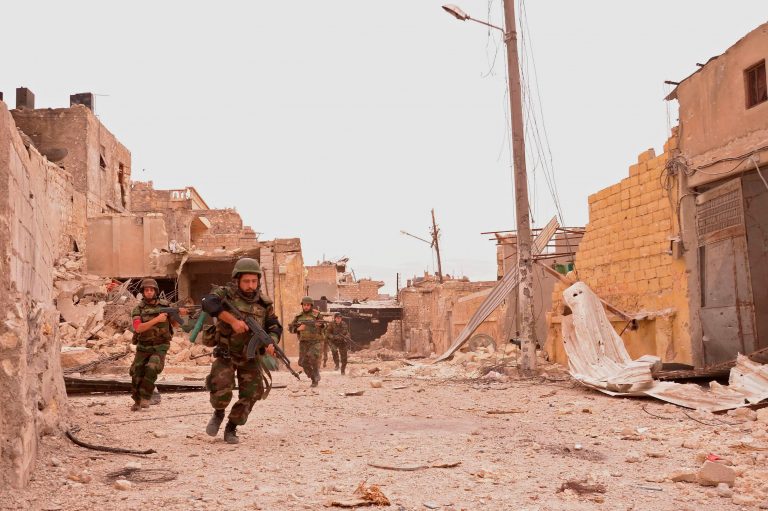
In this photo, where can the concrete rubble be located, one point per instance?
(95, 314)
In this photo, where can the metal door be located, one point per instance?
(727, 308)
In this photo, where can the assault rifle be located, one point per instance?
(214, 305)
(175, 316)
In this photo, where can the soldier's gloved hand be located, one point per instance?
(270, 349)
(239, 327)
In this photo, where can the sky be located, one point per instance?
(344, 122)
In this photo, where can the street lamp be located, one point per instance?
(460, 15)
(522, 213)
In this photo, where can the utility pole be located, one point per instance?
(435, 235)
(522, 215)
(524, 262)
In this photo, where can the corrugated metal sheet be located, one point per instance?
(598, 359)
(502, 289)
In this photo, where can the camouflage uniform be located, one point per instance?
(337, 334)
(310, 343)
(151, 348)
(253, 379)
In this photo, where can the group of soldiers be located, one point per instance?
(230, 336)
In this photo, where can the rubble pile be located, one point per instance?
(485, 362)
(96, 319)
(93, 320)
(730, 457)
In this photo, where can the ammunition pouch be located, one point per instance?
(221, 352)
(210, 336)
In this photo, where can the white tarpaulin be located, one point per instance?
(597, 358)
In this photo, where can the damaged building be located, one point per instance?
(67, 201)
(175, 237)
(680, 244)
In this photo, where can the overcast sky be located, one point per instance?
(343, 122)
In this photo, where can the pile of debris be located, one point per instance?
(484, 362)
(95, 322)
(95, 314)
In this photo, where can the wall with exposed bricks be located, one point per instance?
(625, 258)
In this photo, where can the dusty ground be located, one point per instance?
(302, 449)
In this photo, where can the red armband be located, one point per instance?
(136, 323)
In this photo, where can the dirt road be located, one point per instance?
(508, 445)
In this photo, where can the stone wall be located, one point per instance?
(625, 258)
(434, 314)
(75, 139)
(322, 280)
(188, 223)
(363, 289)
(37, 205)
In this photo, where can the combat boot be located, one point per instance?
(230, 433)
(343, 368)
(136, 407)
(144, 403)
(156, 398)
(212, 429)
(336, 367)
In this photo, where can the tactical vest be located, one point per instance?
(312, 332)
(237, 343)
(160, 333)
(337, 332)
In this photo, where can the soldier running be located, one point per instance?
(232, 336)
(338, 335)
(308, 325)
(153, 334)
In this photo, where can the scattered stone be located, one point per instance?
(744, 414)
(122, 484)
(691, 443)
(632, 457)
(55, 462)
(431, 504)
(712, 474)
(160, 434)
(683, 476)
(741, 499)
(724, 490)
(376, 384)
(133, 465)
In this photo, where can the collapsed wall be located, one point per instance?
(37, 202)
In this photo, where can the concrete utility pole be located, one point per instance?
(524, 262)
(435, 235)
(522, 215)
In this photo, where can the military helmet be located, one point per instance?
(246, 265)
(337, 314)
(307, 299)
(150, 283)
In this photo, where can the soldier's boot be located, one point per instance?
(336, 367)
(136, 407)
(144, 403)
(315, 378)
(230, 433)
(212, 429)
(343, 368)
(156, 397)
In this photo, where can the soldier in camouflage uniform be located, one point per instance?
(231, 337)
(153, 333)
(338, 333)
(309, 327)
